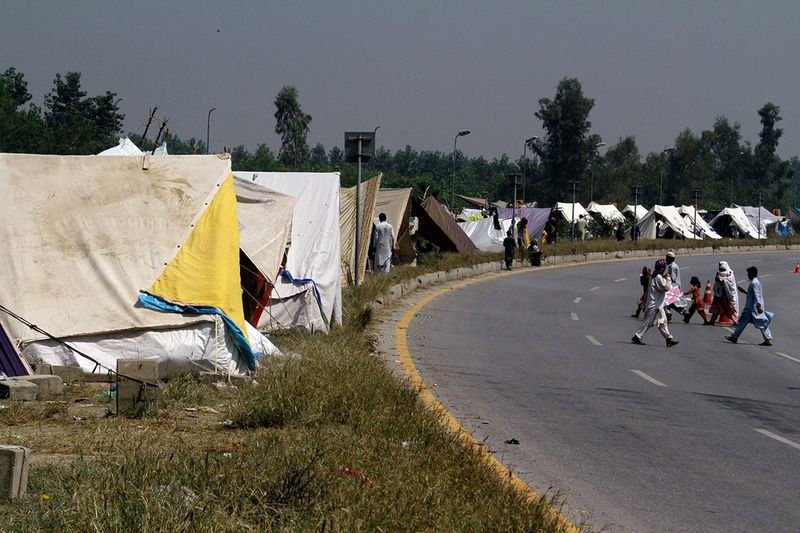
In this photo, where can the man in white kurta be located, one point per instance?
(383, 239)
(654, 314)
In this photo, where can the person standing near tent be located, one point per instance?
(754, 310)
(522, 236)
(726, 300)
(620, 232)
(551, 230)
(674, 272)
(383, 237)
(660, 284)
(510, 247)
(581, 226)
(636, 232)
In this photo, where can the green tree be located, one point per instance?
(319, 158)
(567, 146)
(22, 126)
(81, 125)
(292, 125)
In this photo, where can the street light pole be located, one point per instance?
(760, 200)
(208, 127)
(515, 176)
(525, 164)
(666, 150)
(453, 179)
(572, 225)
(591, 171)
(697, 192)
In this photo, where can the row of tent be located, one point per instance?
(177, 257)
(658, 222)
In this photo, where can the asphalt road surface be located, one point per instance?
(704, 436)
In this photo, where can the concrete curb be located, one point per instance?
(434, 278)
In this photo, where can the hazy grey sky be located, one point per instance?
(421, 69)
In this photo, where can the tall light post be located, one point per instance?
(453, 179)
(524, 164)
(208, 127)
(666, 150)
(515, 177)
(572, 225)
(697, 192)
(760, 196)
(591, 171)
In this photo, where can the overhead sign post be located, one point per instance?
(359, 146)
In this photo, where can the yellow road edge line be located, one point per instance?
(430, 400)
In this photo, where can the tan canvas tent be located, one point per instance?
(123, 257)
(347, 226)
(396, 203)
(437, 225)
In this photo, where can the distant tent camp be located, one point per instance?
(607, 212)
(703, 229)
(437, 226)
(123, 257)
(672, 224)
(537, 218)
(309, 290)
(752, 214)
(347, 226)
(566, 210)
(265, 226)
(396, 203)
(638, 212)
(732, 220)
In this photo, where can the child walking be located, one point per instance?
(644, 281)
(697, 302)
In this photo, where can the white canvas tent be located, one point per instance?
(484, 235)
(688, 214)
(636, 212)
(125, 147)
(767, 219)
(734, 217)
(608, 212)
(566, 210)
(671, 222)
(123, 257)
(309, 291)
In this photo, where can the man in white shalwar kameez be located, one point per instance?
(654, 315)
(383, 239)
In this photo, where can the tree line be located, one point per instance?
(717, 162)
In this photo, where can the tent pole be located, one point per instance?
(358, 214)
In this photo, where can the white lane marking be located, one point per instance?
(573, 316)
(593, 289)
(620, 279)
(764, 275)
(651, 379)
(726, 328)
(578, 300)
(594, 341)
(789, 357)
(778, 438)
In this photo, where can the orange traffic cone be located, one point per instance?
(707, 295)
(797, 268)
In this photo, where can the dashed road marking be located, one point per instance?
(578, 300)
(594, 341)
(593, 289)
(573, 316)
(729, 329)
(651, 379)
(778, 438)
(789, 357)
(620, 279)
(764, 275)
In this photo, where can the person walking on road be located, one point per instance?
(644, 281)
(509, 246)
(674, 272)
(754, 310)
(654, 315)
(726, 300)
(697, 302)
(383, 238)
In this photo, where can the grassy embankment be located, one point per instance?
(330, 440)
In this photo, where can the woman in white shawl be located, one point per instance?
(726, 297)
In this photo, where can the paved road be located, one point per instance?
(704, 436)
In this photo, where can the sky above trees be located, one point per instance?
(420, 70)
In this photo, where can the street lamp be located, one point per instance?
(453, 179)
(208, 126)
(666, 150)
(591, 171)
(524, 163)
(574, 185)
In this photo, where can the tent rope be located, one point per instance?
(97, 364)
